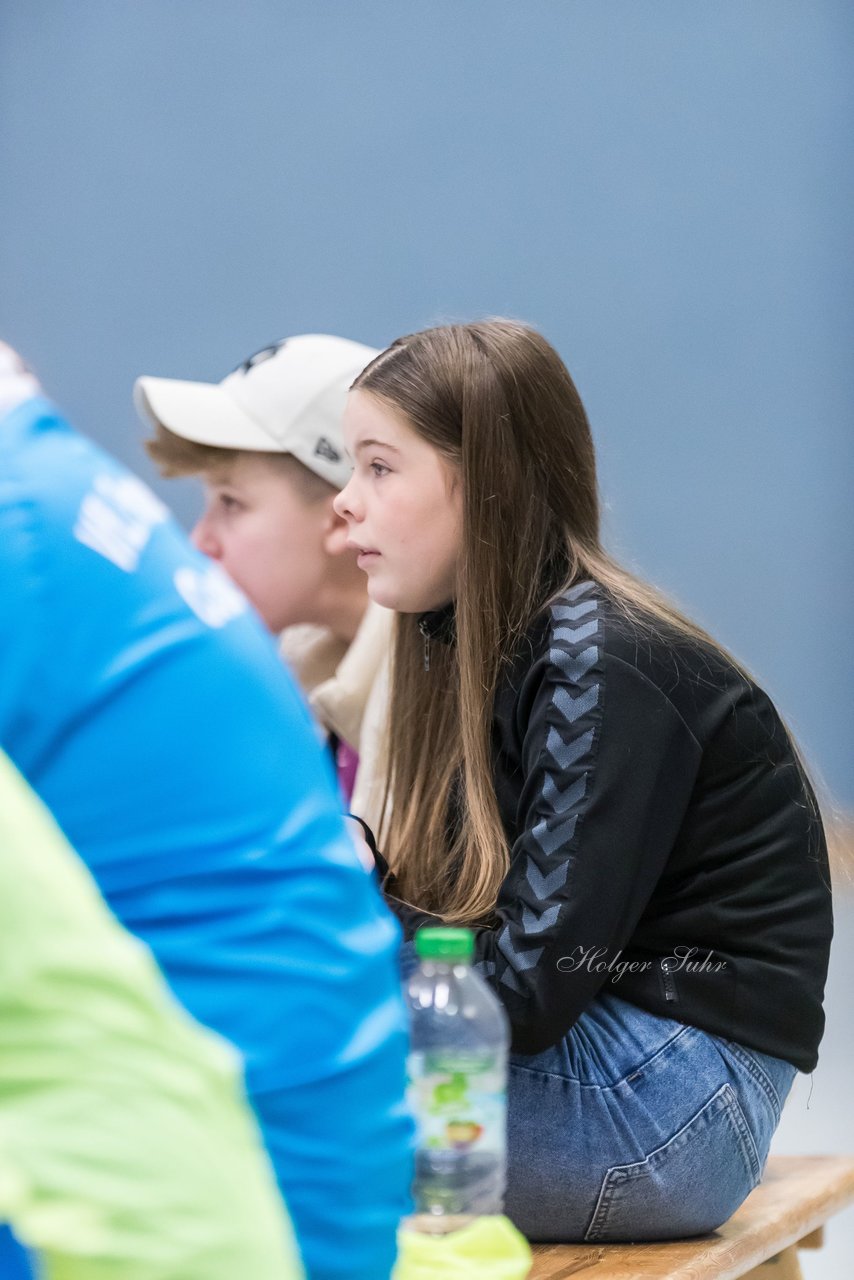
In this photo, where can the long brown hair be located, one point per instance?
(499, 404)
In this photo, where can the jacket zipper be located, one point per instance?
(668, 982)
(426, 634)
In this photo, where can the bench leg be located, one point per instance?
(783, 1266)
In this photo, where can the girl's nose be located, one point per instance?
(344, 502)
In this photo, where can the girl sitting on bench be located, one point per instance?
(594, 785)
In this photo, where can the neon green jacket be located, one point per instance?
(126, 1148)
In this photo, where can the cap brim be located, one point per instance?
(201, 412)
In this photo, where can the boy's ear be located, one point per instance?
(334, 533)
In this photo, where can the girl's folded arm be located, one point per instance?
(604, 796)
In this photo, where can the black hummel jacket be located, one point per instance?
(665, 845)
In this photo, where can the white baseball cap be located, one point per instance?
(286, 398)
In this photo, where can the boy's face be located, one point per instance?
(267, 537)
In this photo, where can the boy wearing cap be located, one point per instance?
(267, 444)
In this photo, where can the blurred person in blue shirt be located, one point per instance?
(144, 703)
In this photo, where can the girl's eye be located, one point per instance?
(379, 469)
(227, 502)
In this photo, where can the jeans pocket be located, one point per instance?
(686, 1187)
(772, 1075)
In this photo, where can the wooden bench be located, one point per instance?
(760, 1242)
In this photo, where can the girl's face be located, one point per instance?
(403, 507)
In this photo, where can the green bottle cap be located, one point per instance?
(444, 944)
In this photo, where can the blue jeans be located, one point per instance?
(636, 1127)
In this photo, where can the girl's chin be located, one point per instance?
(380, 594)
(401, 601)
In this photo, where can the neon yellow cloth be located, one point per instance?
(490, 1248)
(127, 1151)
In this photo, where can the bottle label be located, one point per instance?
(458, 1098)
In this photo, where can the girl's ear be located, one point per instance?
(335, 533)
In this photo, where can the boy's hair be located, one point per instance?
(176, 456)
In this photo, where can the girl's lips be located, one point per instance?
(364, 553)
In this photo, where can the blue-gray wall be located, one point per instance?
(663, 186)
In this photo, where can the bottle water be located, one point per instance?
(457, 1071)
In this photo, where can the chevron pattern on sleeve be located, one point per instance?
(566, 759)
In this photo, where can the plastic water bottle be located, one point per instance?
(457, 1084)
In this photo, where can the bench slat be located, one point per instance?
(796, 1196)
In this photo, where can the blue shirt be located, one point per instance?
(144, 702)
